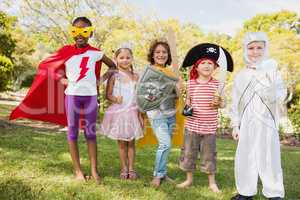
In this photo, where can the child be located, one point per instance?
(81, 64)
(122, 121)
(200, 128)
(257, 90)
(162, 115)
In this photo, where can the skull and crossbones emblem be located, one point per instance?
(211, 50)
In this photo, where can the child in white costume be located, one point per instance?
(257, 92)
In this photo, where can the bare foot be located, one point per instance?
(155, 182)
(214, 188)
(79, 176)
(96, 177)
(184, 184)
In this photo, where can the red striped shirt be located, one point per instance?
(205, 117)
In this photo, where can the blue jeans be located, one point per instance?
(163, 129)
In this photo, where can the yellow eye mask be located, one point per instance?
(85, 32)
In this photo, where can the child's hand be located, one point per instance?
(188, 101)
(235, 133)
(180, 86)
(119, 99)
(98, 102)
(217, 101)
(268, 94)
(64, 81)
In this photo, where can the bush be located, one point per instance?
(294, 116)
(27, 82)
(6, 68)
(224, 127)
(294, 111)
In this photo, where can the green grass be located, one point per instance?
(35, 164)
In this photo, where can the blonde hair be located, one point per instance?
(119, 50)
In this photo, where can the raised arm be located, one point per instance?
(172, 43)
(175, 63)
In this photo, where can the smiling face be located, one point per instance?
(80, 40)
(124, 59)
(255, 51)
(205, 68)
(160, 55)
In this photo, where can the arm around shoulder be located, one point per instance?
(106, 60)
(111, 68)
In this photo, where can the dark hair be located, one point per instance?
(152, 48)
(130, 51)
(83, 19)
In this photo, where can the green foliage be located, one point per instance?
(7, 43)
(294, 111)
(18, 47)
(223, 124)
(294, 116)
(274, 22)
(27, 81)
(6, 68)
(281, 132)
(24, 58)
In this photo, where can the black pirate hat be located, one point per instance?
(211, 51)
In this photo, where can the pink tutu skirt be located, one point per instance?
(121, 123)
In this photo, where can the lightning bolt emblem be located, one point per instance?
(83, 67)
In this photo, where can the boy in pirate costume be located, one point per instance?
(76, 67)
(257, 91)
(205, 96)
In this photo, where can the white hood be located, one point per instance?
(255, 37)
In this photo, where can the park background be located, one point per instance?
(34, 160)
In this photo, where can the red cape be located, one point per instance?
(45, 98)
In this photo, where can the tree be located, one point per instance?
(6, 68)
(7, 46)
(274, 22)
(52, 18)
(24, 59)
(7, 43)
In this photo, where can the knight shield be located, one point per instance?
(155, 90)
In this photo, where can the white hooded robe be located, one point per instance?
(257, 93)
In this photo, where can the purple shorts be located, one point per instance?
(88, 107)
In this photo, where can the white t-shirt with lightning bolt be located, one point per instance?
(80, 72)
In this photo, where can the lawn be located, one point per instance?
(35, 164)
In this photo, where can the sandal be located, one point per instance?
(124, 175)
(132, 175)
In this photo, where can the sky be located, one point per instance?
(223, 16)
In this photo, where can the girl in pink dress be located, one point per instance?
(122, 120)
